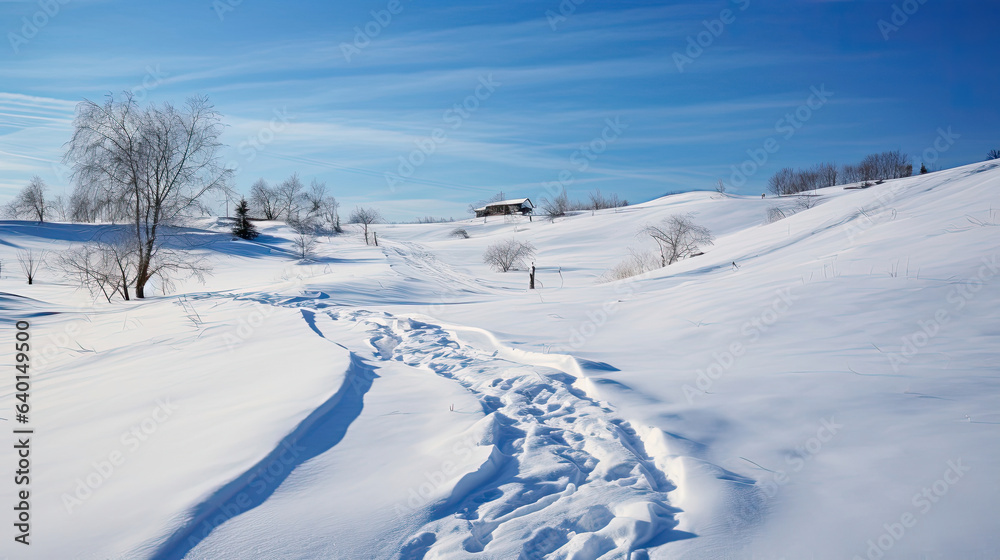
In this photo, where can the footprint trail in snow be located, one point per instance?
(562, 476)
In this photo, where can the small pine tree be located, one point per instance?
(923, 169)
(244, 228)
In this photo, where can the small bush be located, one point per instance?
(635, 264)
(460, 232)
(678, 238)
(774, 214)
(507, 255)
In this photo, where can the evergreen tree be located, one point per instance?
(244, 228)
(923, 169)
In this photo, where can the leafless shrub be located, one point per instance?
(107, 268)
(774, 214)
(30, 262)
(558, 206)
(678, 237)
(306, 231)
(507, 255)
(635, 264)
(807, 201)
(460, 232)
(305, 244)
(993, 154)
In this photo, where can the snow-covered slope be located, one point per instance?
(824, 386)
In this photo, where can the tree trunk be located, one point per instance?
(531, 281)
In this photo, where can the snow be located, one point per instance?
(832, 395)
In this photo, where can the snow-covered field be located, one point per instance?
(825, 386)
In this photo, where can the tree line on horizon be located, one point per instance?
(883, 166)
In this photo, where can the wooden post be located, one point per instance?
(531, 281)
(375, 236)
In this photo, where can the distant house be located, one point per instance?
(522, 206)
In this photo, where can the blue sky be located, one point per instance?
(517, 96)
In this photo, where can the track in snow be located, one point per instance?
(563, 476)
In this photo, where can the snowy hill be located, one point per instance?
(824, 386)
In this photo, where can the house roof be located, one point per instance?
(511, 202)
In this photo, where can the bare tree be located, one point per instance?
(365, 217)
(265, 200)
(58, 208)
(827, 173)
(868, 169)
(993, 154)
(850, 174)
(805, 180)
(30, 262)
(616, 202)
(290, 197)
(322, 206)
(781, 182)
(30, 202)
(557, 206)
(596, 201)
(148, 167)
(678, 237)
(506, 255)
(81, 207)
